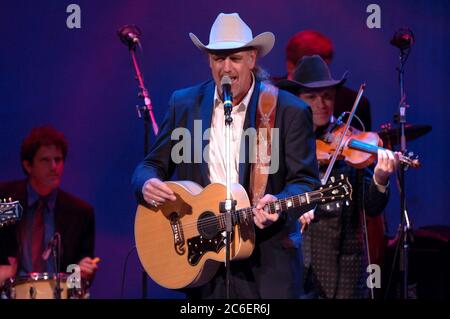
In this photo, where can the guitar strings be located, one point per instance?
(213, 220)
(190, 227)
(216, 219)
(209, 221)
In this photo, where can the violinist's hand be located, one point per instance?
(306, 219)
(156, 192)
(261, 218)
(386, 165)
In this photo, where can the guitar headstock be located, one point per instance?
(10, 211)
(337, 189)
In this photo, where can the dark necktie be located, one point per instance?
(38, 230)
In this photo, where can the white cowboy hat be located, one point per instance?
(229, 31)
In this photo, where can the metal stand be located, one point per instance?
(56, 253)
(403, 39)
(228, 206)
(129, 35)
(405, 226)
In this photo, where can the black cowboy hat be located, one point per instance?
(312, 73)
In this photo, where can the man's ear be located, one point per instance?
(253, 55)
(27, 166)
(210, 60)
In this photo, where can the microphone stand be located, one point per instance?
(146, 110)
(229, 205)
(146, 113)
(56, 253)
(405, 226)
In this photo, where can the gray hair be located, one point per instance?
(261, 74)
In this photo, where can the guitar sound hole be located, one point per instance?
(208, 225)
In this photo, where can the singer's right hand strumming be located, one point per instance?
(156, 192)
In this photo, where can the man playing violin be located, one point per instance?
(334, 248)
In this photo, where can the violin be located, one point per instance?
(359, 149)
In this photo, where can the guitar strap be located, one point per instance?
(265, 120)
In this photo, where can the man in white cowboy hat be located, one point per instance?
(272, 271)
(333, 245)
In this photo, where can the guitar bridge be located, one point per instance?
(178, 237)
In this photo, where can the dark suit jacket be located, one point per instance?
(334, 247)
(271, 271)
(74, 220)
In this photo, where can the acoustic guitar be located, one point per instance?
(182, 243)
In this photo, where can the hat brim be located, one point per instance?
(263, 42)
(292, 86)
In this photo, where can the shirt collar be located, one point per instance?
(242, 107)
(33, 196)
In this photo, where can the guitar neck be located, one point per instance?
(296, 201)
(281, 204)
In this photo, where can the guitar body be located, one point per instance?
(179, 244)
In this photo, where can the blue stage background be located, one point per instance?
(82, 82)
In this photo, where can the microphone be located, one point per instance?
(53, 242)
(403, 39)
(337, 122)
(129, 34)
(226, 92)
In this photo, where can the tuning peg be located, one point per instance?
(347, 203)
(342, 176)
(332, 179)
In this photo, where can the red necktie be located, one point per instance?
(37, 244)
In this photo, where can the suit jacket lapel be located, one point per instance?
(206, 107)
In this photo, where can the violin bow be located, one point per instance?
(340, 144)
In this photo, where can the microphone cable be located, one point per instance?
(122, 285)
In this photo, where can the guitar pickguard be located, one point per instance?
(199, 245)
